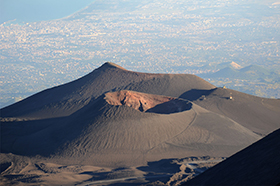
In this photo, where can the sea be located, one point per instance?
(24, 11)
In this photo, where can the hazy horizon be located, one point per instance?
(34, 10)
(188, 37)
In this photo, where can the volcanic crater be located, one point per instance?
(147, 102)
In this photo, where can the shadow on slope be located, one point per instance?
(161, 170)
(172, 106)
(195, 94)
(30, 138)
(4, 166)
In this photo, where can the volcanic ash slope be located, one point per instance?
(66, 99)
(260, 115)
(126, 128)
(115, 118)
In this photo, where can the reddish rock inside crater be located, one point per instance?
(147, 102)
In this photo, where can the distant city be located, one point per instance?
(228, 43)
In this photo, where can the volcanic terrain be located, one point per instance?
(257, 164)
(113, 124)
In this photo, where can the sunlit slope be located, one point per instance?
(114, 117)
(260, 115)
(65, 99)
(120, 135)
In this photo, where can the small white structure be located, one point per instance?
(230, 96)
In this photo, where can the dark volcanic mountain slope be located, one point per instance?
(260, 115)
(115, 135)
(108, 119)
(258, 164)
(170, 84)
(68, 98)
